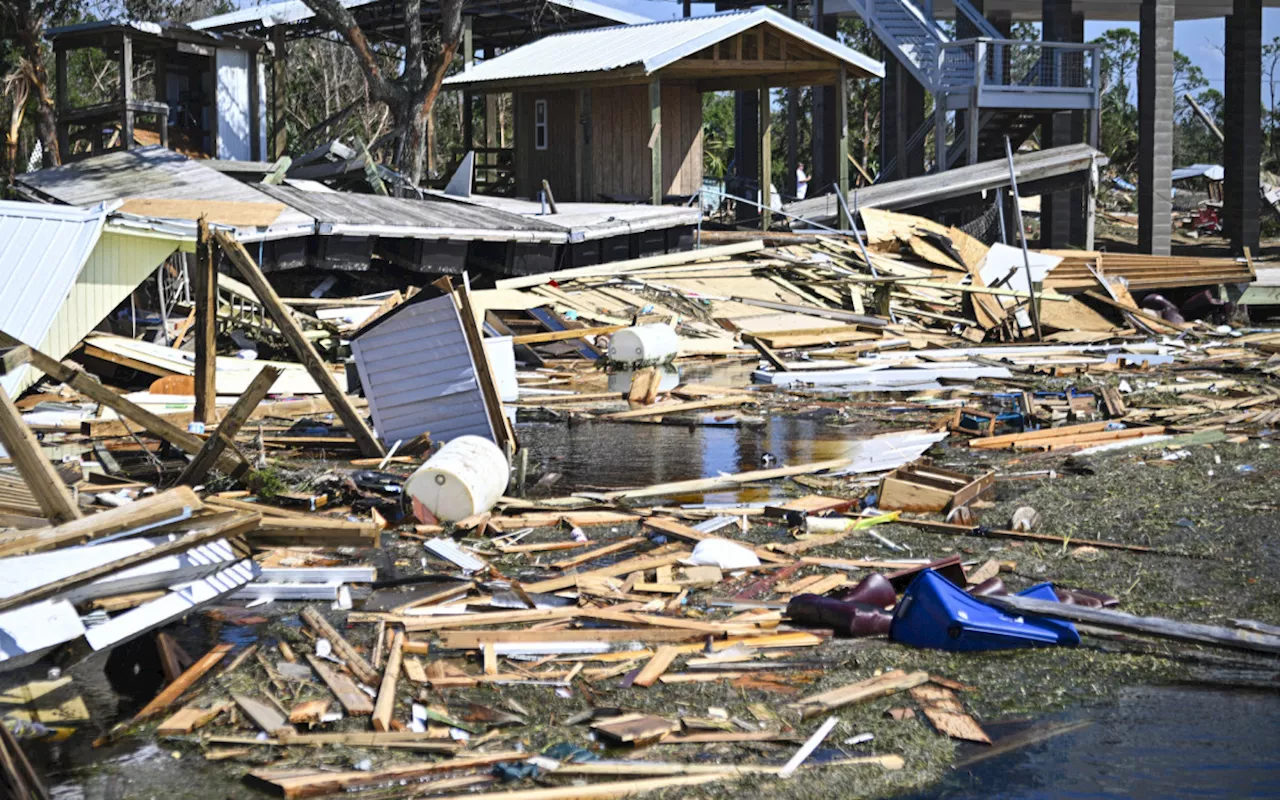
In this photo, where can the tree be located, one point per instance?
(410, 95)
(1119, 116)
(29, 18)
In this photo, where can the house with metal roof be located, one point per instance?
(616, 113)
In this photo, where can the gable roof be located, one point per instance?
(646, 48)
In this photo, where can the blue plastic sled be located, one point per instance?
(936, 613)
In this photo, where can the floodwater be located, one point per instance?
(1151, 742)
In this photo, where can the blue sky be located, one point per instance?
(1200, 40)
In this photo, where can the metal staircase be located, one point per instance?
(1005, 85)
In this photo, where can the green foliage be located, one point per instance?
(717, 134)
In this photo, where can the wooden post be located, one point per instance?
(655, 142)
(255, 110)
(586, 174)
(491, 128)
(939, 134)
(468, 61)
(302, 347)
(42, 479)
(61, 94)
(387, 691)
(842, 145)
(206, 302)
(220, 439)
(126, 90)
(766, 158)
(279, 72)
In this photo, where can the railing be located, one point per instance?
(1018, 65)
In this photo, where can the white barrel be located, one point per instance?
(465, 477)
(502, 358)
(644, 344)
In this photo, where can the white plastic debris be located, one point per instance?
(722, 553)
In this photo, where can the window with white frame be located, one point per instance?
(540, 124)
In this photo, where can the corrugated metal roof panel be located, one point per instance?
(42, 250)
(417, 372)
(650, 47)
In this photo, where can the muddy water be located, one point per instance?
(1151, 742)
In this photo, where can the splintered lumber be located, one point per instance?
(265, 715)
(559, 336)
(398, 740)
(1149, 626)
(297, 783)
(170, 694)
(889, 761)
(880, 686)
(702, 485)
(302, 347)
(944, 710)
(155, 425)
(635, 727)
(532, 615)
(592, 555)
(54, 498)
(656, 666)
(682, 531)
(225, 434)
(355, 662)
(472, 640)
(632, 265)
(189, 719)
(313, 531)
(220, 526)
(387, 692)
(351, 696)
(638, 564)
(676, 408)
(21, 778)
(166, 506)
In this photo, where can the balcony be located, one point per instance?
(988, 73)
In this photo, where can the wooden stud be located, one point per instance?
(387, 692)
(206, 308)
(355, 662)
(302, 347)
(224, 436)
(766, 151)
(164, 507)
(655, 142)
(656, 666)
(185, 681)
(352, 697)
(54, 498)
(842, 146)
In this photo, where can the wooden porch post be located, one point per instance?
(655, 141)
(279, 73)
(766, 159)
(842, 145)
(255, 110)
(206, 302)
(939, 133)
(61, 93)
(126, 89)
(468, 61)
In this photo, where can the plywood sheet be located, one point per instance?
(224, 212)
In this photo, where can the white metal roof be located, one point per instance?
(42, 250)
(651, 46)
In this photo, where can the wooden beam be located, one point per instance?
(47, 487)
(126, 90)
(355, 662)
(222, 526)
(173, 691)
(302, 346)
(163, 507)
(155, 425)
(572, 333)
(842, 145)
(229, 426)
(655, 142)
(387, 692)
(656, 666)
(352, 697)
(766, 151)
(206, 303)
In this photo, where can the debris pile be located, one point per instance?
(427, 612)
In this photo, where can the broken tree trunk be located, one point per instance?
(53, 496)
(302, 347)
(229, 427)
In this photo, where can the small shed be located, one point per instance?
(203, 93)
(616, 113)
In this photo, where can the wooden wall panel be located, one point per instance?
(557, 164)
(620, 140)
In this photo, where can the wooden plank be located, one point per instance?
(315, 532)
(205, 287)
(405, 739)
(157, 426)
(264, 714)
(221, 526)
(190, 718)
(678, 529)
(626, 267)
(55, 499)
(1150, 626)
(635, 727)
(598, 552)
(355, 662)
(387, 692)
(880, 686)
(656, 666)
(165, 506)
(663, 409)
(351, 696)
(204, 461)
(702, 485)
(305, 782)
(559, 336)
(237, 214)
(944, 710)
(472, 640)
(170, 694)
(302, 347)
(639, 564)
